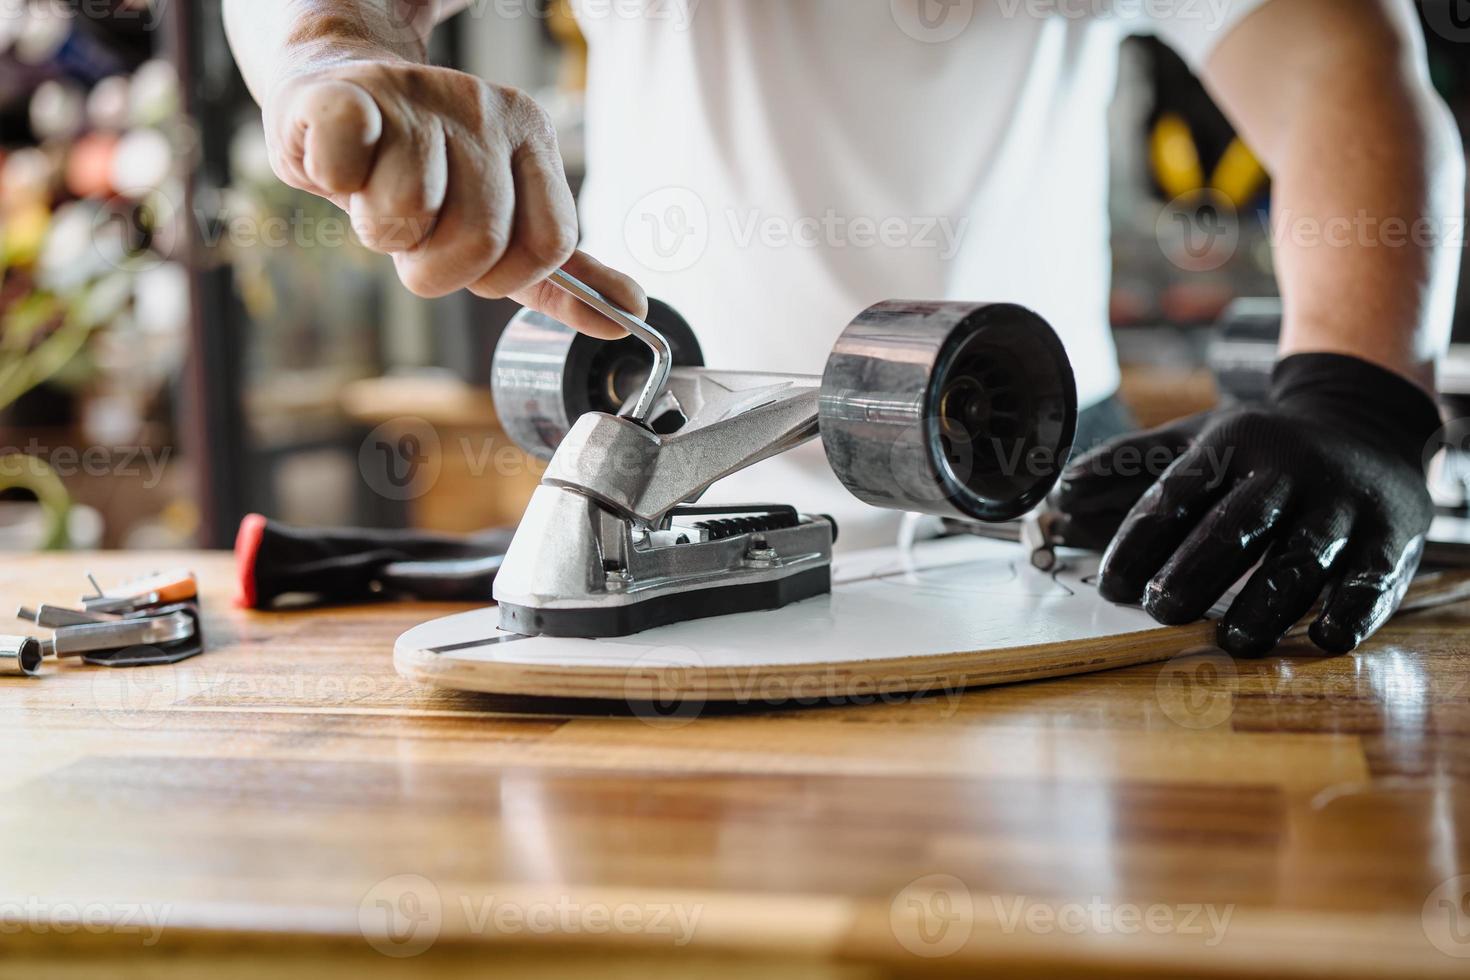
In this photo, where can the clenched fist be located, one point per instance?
(458, 179)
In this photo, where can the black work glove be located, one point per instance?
(1323, 484)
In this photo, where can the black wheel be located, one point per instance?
(963, 410)
(546, 375)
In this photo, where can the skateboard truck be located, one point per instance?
(963, 410)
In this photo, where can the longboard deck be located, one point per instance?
(945, 615)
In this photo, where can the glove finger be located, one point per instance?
(1159, 523)
(1115, 474)
(1376, 574)
(1288, 582)
(1098, 488)
(1222, 547)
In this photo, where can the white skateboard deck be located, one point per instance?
(942, 616)
(947, 614)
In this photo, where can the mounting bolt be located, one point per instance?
(618, 579)
(761, 555)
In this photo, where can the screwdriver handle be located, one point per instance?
(344, 564)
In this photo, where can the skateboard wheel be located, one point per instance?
(546, 375)
(962, 410)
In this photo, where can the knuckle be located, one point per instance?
(405, 200)
(484, 241)
(553, 244)
(384, 233)
(531, 121)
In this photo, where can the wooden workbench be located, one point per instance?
(276, 798)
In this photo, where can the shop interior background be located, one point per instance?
(184, 340)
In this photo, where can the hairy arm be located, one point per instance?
(458, 179)
(1368, 172)
(277, 38)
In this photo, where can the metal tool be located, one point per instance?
(160, 588)
(20, 656)
(1040, 539)
(1039, 534)
(84, 638)
(148, 626)
(663, 354)
(177, 634)
(52, 617)
(963, 410)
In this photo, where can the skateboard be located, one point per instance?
(941, 615)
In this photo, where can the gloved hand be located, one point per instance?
(1323, 484)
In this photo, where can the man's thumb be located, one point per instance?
(338, 126)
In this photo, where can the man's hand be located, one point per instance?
(458, 179)
(1323, 485)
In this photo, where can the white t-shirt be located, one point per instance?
(773, 167)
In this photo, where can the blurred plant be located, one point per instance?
(42, 334)
(86, 230)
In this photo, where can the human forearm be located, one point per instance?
(1320, 486)
(458, 179)
(1368, 176)
(275, 39)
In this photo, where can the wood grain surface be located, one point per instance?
(288, 802)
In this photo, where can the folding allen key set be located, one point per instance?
(148, 621)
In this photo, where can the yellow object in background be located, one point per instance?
(23, 233)
(1175, 158)
(1239, 175)
(573, 68)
